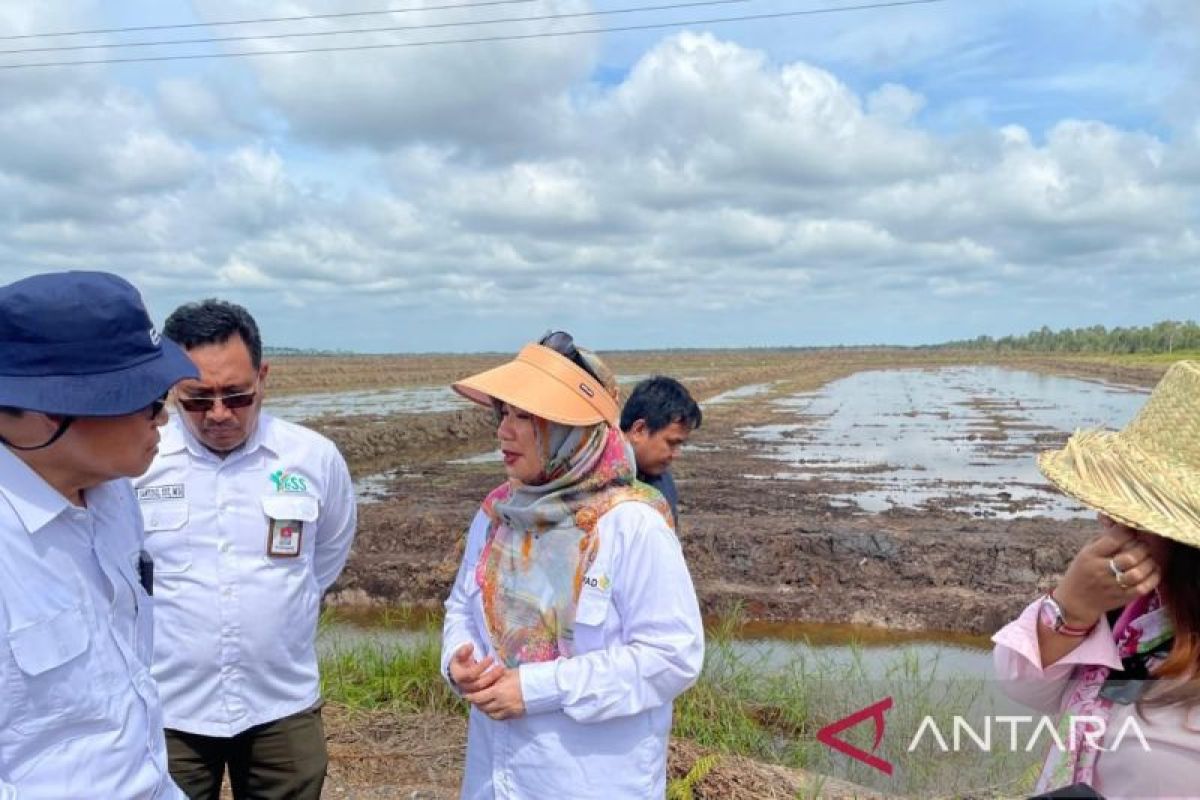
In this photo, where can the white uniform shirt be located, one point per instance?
(235, 630)
(79, 714)
(596, 724)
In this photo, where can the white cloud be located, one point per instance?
(237, 274)
(707, 194)
(499, 97)
(193, 109)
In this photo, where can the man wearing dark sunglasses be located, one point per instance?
(249, 519)
(83, 377)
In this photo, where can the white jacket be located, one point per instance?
(595, 724)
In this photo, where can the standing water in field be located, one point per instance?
(399, 400)
(958, 439)
(406, 400)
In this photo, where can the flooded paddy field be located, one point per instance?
(955, 438)
(402, 400)
(880, 488)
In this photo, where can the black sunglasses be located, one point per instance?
(157, 406)
(563, 343)
(199, 405)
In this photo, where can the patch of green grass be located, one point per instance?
(1157, 358)
(771, 712)
(399, 677)
(742, 704)
(1127, 359)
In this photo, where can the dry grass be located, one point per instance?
(384, 754)
(295, 374)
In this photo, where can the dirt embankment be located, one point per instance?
(408, 441)
(1097, 368)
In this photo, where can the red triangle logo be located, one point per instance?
(828, 735)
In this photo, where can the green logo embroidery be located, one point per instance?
(288, 483)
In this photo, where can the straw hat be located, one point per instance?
(1146, 476)
(544, 383)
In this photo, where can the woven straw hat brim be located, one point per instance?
(1105, 471)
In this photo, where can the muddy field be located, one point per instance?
(778, 548)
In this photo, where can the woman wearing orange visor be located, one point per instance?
(573, 624)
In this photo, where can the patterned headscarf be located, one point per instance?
(542, 537)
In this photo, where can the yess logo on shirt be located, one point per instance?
(288, 483)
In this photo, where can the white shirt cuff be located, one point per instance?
(539, 687)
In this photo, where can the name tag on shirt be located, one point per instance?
(286, 515)
(284, 538)
(150, 494)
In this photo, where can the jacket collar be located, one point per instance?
(35, 501)
(176, 438)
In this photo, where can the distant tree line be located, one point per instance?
(1161, 337)
(277, 352)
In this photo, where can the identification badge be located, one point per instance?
(284, 537)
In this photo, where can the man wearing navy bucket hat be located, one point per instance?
(83, 379)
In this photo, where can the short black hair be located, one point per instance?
(9, 411)
(213, 321)
(660, 401)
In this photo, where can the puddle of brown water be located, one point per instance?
(771, 645)
(863, 635)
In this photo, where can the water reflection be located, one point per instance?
(409, 400)
(490, 457)
(375, 488)
(772, 646)
(402, 400)
(740, 393)
(960, 438)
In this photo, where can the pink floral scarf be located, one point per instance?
(1142, 628)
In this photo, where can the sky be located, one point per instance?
(897, 175)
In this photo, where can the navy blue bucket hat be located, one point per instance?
(81, 344)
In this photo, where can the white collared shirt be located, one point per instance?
(235, 630)
(79, 714)
(596, 724)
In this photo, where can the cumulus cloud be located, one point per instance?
(194, 110)
(714, 194)
(508, 96)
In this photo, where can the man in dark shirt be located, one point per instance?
(658, 418)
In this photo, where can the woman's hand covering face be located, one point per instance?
(1109, 572)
